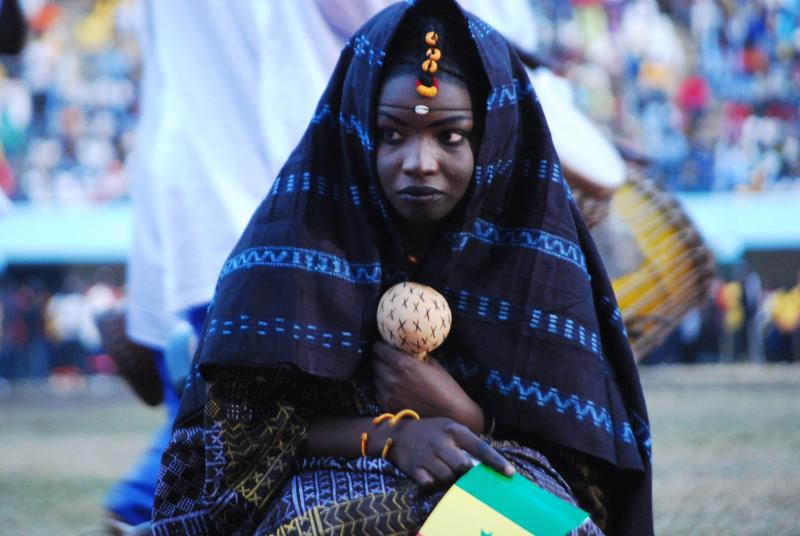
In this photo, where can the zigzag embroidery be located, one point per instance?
(568, 405)
(459, 367)
(363, 49)
(508, 94)
(547, 243)
(309, 260)
(308, 333)
(350, 125)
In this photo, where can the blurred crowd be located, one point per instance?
(68, 103)
(45, 332)
(742, 320)
(706, 90)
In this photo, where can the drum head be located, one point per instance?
(584, 150)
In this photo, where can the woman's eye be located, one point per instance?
(452, 137)
(390, 135)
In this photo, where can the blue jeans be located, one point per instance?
(131, 499)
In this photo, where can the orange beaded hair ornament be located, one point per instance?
(427, 85)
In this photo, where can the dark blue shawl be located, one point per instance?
(537, 335)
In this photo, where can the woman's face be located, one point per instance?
(425, 161)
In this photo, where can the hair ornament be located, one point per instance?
(433, 54)
(427, 85)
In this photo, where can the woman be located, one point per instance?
(461, 191)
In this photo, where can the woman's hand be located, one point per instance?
(433, 452)
(401, 381)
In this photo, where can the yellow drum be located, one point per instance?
(674, 270)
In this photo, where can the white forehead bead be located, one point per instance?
(421, 109)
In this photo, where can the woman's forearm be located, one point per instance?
(336, 436)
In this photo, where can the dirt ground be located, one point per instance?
(726, 451)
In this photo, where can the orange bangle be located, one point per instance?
(382, 417)
(387, 447)
(403, 413)
(364, 438)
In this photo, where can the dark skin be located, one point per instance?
(425, 164)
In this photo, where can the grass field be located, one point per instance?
(726, 451)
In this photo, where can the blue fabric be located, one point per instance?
(301, 287)
(131, 499)
(197, 317)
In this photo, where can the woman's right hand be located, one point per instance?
(434, 451)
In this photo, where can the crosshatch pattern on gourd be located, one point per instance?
(414, 318)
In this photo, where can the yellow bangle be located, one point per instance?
(364, 438)
(382, 417)
(403, 413)
(387, 447)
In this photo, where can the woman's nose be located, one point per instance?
(420, 158)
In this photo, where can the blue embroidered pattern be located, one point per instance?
(482, 306)
(546, 171)
(566, 328)
(616, 316)
(554, 324)
(310, 183)
(350, 125)
(308, 333)
(322, 481)
(363, 49)
(478, 29)
(570, 405)
(508, 94)
(643, 434)
(551, 398)
(547, 243)
(309, 260)
(487, 173)
(459, 367)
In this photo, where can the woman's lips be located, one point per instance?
(419, 194)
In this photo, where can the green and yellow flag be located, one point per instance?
(486, 503)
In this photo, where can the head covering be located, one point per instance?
(536, 334)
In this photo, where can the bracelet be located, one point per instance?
(386, 447)
(393, 419)
(382, 417)
(403, 413)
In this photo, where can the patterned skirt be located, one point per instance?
(370, 496)
(236, 470)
